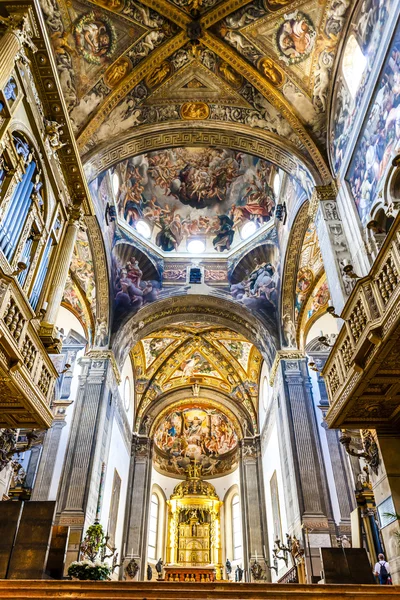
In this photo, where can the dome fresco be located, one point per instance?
(196, 193)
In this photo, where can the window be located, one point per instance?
(127, 393)
(266, 392)
(236, 528)
(153, 530)
(354, 63)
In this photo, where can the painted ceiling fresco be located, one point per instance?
(196, 433)
(210, 357)
(367, 28)
(268, 65)
(310, 268)
(196, 193)
(379, 140)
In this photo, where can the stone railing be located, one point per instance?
(27, 374)
(371, 320)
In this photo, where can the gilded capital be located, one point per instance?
(20, 26)
(321, 193)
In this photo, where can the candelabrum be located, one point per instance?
(273, 567)
(348, 270)
(279, 547)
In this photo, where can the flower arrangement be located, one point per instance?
(93, 550)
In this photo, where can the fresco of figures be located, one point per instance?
(380, 137)
(368, 28)
(131, 291)
(200, 434)
(186, 193)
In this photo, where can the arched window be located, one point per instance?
(354, 63)
(236, 528)
(26, 191)
(153, 529)
(127, 393)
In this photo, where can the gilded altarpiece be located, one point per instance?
(194, 537)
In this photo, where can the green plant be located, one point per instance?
(93, 551)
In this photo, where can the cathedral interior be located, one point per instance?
(199, 298)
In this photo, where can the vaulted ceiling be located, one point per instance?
(265, 64)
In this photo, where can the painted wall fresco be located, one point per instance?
(380, 136)
(368, 25)
(185, 193)
(83, 270)
(201, 434)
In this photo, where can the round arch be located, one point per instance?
(239, 137)
(202, 308)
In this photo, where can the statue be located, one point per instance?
(149, 573)
(256, 571)
(238, 574)
(228, 567)
(53, 135)
(159, 567)
(132, 568)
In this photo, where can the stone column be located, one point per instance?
(308, 504)
(338, 458)
(48, 461)
(254, 514)
(332, 242)
(90, 429)
(386, 488)
(61, 269)
(138, 503)
(16, 37)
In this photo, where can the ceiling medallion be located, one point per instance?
(195, 111)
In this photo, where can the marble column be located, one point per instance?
(308, 505)
(138, 503)
(12, 43)
(87, 446)
(253, 507)
(332, 242)
(61, 269)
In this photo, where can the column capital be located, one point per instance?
(20, 25)
(76, 215)
(321, 193)
(106, 355)
(283, 355)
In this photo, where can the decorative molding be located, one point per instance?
(283, 355)
(106, 355)
(321, 193)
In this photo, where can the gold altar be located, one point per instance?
(194, 544)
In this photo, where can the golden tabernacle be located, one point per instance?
(194, 546)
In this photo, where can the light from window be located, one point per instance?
(144, 229)
(236, 528)
(277, 184)
(115, 183)
(127, 393)
(354, 63)
(151, 552)
(248, 229)
(266, 392)
(196, 246)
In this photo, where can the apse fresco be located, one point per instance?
(196, 193)
(368, 27)
(203, 434)
(380, 135)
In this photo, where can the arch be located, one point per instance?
(232, 135)
(201, 308)
(292, 258)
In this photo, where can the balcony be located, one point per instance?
(362, 373)
(27, 374)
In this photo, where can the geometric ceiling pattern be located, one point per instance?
(266, 64)
(198, 373)
(194, 354)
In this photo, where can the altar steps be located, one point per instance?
(123, 590)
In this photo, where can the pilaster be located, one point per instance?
(309, 511)
(254, 522)
(90, 429)
(332, 242)
(138, 503)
